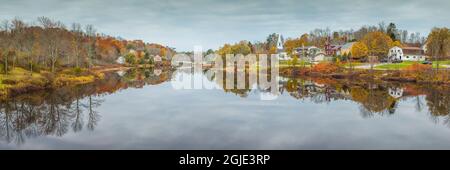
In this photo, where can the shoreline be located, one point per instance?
(46, 80)
(96, 73)
(362, 74)
(93, 74)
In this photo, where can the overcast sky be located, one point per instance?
(210, 23)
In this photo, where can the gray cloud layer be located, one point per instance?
(183, 24)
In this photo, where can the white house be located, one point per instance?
(157, 58)
(406, 54)
(121, 60)
(395, 92)
(121, 73)
(312, 53)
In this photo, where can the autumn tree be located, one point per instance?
(291, 44)
(77, 43)
(271, 41)
(438, 43)
(52, 39)
(378, 43)
(226, 49)
(396, 43)
(35, 51)
(241, 48)
(90, 33)
(358, 51)
(392, 31)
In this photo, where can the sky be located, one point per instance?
(183, 24)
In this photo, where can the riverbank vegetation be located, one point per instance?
(367, 57)
(50, 54)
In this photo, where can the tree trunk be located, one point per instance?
(31, 66)
(14, 62)
(437, 65)
(77, 58)
(6, 65)
(351, 66)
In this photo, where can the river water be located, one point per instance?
(141, 109)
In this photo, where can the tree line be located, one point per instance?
(50, 45)
(373, 40)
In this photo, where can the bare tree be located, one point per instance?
(91, 35)
(76, 42)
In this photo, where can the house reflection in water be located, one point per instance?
(395, 92)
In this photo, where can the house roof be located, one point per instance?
(336, 47)
(413, 51)
(305, 47)
(347, 45)
(412, 44)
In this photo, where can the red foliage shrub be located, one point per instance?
(325, 68)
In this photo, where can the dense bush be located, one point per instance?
(325, 68)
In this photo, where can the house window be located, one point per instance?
(414, 56)
(407, 56)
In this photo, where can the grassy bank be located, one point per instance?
(418, 73)
(405, 64)
(19, 81)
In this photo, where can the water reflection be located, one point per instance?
(52, 113)
(380, 98)
(55, 112)
(73, 109)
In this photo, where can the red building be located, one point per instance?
(331, 49)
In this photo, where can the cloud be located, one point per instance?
(183, 24)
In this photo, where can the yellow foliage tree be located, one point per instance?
(273, 50)
(378, 43)
(290, 44)
(359, 50)
(226, 49)
(438, 43)
(396, 43)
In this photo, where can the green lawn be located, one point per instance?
(285, 63)
(402, 65)
(445, 62)
(395, 66)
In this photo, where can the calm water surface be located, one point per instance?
(140, 109)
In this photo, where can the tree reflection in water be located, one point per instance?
(374, 98)
(55, 112)
(59, 111)
(51, 113)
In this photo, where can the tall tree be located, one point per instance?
(438, 44)
(392, 31)
(358, 51)
(378, 43)
(91, 36)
